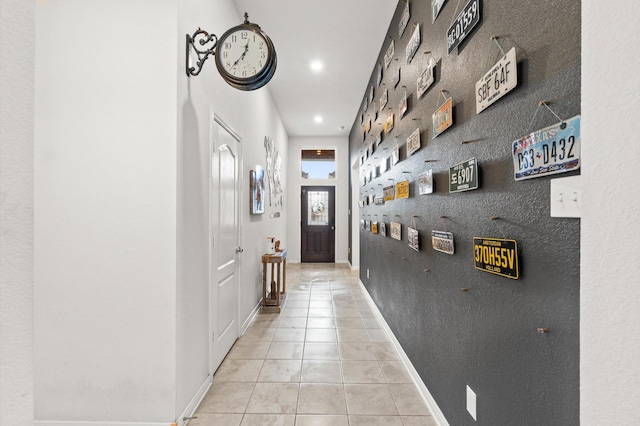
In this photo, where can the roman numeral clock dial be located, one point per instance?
(245, 56)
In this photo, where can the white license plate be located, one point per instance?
(548, 151)
(499, 81)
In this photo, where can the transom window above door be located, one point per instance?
(318, 164)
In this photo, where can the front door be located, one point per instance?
(225, 240)
(318, 224)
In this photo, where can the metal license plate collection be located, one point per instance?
(550, 150)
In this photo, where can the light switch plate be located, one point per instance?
(471, 403)
(566, 197)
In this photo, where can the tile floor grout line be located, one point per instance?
(376, 349)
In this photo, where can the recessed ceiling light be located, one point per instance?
(317, 119)
(316, 65)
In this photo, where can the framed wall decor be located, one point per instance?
(256, 182)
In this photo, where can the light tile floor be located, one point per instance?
(324, 360)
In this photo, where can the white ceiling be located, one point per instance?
(345, 35)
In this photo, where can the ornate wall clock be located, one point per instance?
(244, 55)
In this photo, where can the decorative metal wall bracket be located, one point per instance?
(203, 39)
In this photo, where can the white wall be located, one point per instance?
(355, 215)
(105, 191)
(253, 116)
(609, 317)
(121, 189)
(17, 22)
(341, 182)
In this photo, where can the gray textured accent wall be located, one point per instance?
(485, 337)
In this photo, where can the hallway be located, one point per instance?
(324, 360)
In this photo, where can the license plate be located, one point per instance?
(442, 119)
(548, 151)
(499, 81)
(464, 176)
(413, 142)
(396, 231)
(389, 193)
(436, 7)
(413, 237)
(496, 256)
(402, 189)
(426, 79)
(464, 23)
(442, 241)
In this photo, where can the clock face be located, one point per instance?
(243, 54)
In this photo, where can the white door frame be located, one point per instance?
(213, 237)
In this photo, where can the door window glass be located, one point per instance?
(317, 203)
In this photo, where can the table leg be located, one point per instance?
(278, 288)
(264, 285)
(284, 276)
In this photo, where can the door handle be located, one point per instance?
(239, 250)
(333, 227)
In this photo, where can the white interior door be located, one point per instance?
(225, 238)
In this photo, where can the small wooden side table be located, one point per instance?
(273, 298)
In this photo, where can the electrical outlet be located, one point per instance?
(367, 273)
(471, 403)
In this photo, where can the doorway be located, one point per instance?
(224, 190)
(318, 239)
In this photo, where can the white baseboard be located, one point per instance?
(424, 392)
(251, 317)
(79, 423)
(193, 405)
